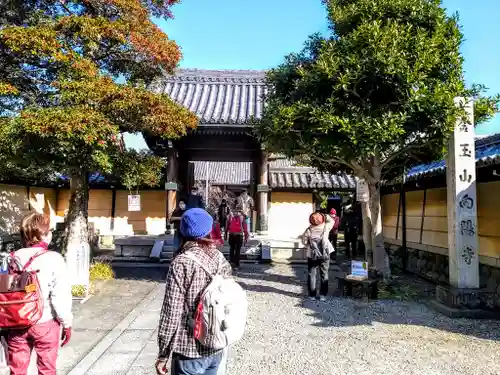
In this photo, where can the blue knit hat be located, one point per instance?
(196, 223)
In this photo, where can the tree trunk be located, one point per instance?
(380, 257)
(77, 246)
(367, 230)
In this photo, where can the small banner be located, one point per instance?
(362, 192)
(359, 269)
(134, 202)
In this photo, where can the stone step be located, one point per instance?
(165, 257)
(246, 253)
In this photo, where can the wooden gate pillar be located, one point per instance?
(171, 183)
(263, 191)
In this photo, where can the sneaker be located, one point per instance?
(311, 298)
(322, 298)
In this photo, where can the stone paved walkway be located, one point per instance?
(287, 335)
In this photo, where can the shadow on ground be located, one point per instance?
(134, 272)
(337, 311)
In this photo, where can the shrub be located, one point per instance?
(78, 291)
(101, 271)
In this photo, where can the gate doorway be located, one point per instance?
(218, 180)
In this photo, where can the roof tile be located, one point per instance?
(487, 153)
(217, 96)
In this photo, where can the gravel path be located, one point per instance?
(287, 335)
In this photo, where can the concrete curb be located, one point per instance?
(86, 362)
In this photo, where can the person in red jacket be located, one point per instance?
(216, 234)
(237, 234)
(334, 231)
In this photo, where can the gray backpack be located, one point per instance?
(319, 247)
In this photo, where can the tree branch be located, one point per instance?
(362, 172)
(401, 152)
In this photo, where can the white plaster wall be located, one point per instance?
(289, 214)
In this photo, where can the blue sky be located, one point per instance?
(257, 34)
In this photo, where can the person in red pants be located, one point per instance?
(55, 287)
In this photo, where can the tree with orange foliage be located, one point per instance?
(74, 77)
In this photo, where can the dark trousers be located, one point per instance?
(191, 366)
(351, 243)
(235, 244)
(333, 239)
(223, 223)
(312, 268)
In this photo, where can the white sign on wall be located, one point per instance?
(362, 192)
(134, 202)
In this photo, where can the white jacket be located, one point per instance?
(54, 284)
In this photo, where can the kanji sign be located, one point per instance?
(134, 202)
(462, 207)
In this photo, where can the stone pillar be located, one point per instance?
(171, 185)
(263, 191)
(462, 203)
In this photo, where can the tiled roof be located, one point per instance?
(285, 173)
(284, 163)
(223, 173)
(311, 180)
(217, 96)
(487, 153)
(94, 178)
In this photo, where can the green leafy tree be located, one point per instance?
(375, 95)
(74, 77)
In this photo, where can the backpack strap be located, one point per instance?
(30, 260)
(195, 259)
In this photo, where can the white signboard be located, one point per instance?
(359, 269)
(78, 263)
(134, 202)
(362, 192)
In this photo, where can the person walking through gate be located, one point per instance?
(246, 204)
(216, 234)
(195, 200)
(351, 230)
(185, 284)
(319, 248)
(237, 233)
(176, 219)
(55, 288)
(333, 221)
(223, 213)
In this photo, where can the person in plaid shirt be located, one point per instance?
(185, 284)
